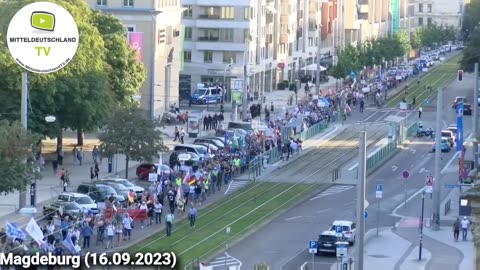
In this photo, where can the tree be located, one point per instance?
(128, 132)
(81, 95)
(404, 41)
(16, 147)
(415, 40)
(471, 53)
(126, 74)
(348, 60)
(471, 19)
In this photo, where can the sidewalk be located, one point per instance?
(398, 250)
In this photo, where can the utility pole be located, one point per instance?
(437, 184)
(474, 118)
(246, 79)
(319, 56)
(22, 200)
(362, 165)
(420, 244)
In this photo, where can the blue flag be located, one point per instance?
(459, 135)
(15, 232)
(225, 138)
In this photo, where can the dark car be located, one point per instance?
(144, 169)
(99, 192)
(173, 160)
(467, 109)
(326, 242)
(216, 141)
(70, 209)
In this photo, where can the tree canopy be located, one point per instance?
(434, 34)
(16, 146)
(102, 75)
(471, 33)
(128, 132)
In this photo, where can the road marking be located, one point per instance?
(394, 168)
(235, 185)
(421, 170)
(227, 260)
(413, 151)
(324, 210)
(331, 190)
(292, 218)
(275, 164)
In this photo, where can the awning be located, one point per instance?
(313, 67)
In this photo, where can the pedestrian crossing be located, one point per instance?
(224, 262)
(332, 190)
(409, 222)
(236, 185)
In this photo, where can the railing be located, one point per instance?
(275, 154)
(412, 129)
(377, 159)
(209, 16)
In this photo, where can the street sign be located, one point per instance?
(342, 249)
(427, 101)
(405, 174)
(312, 246)
(379, 191)
(429, 184)
(365, 214)
(338, 231)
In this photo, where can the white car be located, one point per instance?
(348, 228)
(82, 199)
(137, 189)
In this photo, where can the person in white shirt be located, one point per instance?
(144, 207)
(158, 212)
(110, 229)
(127, 225)
(464, 224)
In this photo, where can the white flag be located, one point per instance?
(34, 231)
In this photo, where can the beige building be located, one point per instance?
(155, 24)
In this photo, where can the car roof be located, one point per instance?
(328, 233)
(114, 179)
(73, 194)
(188, 145)
(446, 130)
(342, 222)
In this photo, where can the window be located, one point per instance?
(128, 3)
(101, 2)
(429, 21)
(227, 13)
(420, 8)
(229, 57)
(187, 56)
(188, 12)
(420, 21)
(248, 13)
(130, 28)
(188, 33)
(429, 8)
(226, 35)
(207, 56)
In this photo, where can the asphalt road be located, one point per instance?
(283, 242)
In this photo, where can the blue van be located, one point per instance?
(206, 94)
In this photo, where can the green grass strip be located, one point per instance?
(439, 76)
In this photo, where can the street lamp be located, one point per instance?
(50, 119)
(227, 67)
(420, 244)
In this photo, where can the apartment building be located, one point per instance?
(275, 39)
(441, 12)
(153, 28)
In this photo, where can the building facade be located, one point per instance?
(275, 39)
(440, 12)
(154, 30)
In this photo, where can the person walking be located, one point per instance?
(193, 215)
(110, 234)
(182, 135)
(95, 154)
(87, 233)
(362, 105)
(420, 110)
(80, 156)
(177, 134)
(96, 170)
(456, 229)
(92, 174)
(127, 225)
(464, 223)
(74, 152)
(169, 219)
(158, 212)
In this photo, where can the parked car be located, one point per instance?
(137, 189)
(173, 160)
(212, 146)
(69, 209)
(453, 128)
(456, 100)
(82, 199)
(191, 148)
(99, 192)
(444, 145)
(326, 242)
(214, 140)
(144, 169)
(349, 229)
(449, 135)
(119, 188)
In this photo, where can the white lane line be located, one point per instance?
(275, 164)
(394, 168)
(421, 170)
(292, 218)
(453, 157)
(229, 186)
(324, 210)
(413, 151)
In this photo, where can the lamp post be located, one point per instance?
(420, 244)
(227, 67)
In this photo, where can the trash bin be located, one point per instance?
(110, 165)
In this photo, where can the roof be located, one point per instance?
(73, 194)
(328, 233)
(342, 222)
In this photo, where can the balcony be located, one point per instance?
(209, 16)
(219, 46)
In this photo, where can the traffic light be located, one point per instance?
(460, 75)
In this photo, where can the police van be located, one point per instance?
(207, 94)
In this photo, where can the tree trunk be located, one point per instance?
(127, 159)
(80, 137)
(59, 141)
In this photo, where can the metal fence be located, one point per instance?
(377, 159)
(256, 165)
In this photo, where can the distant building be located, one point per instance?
(154, 27)
(440, 12)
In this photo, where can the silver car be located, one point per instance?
(83, 200)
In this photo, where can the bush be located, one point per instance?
(281, 86)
